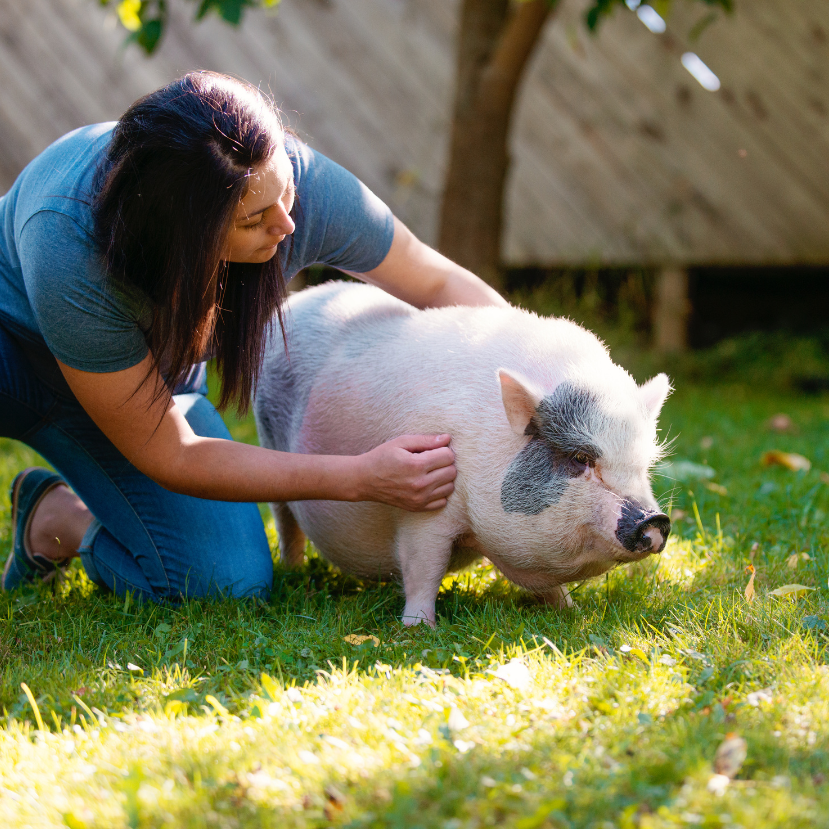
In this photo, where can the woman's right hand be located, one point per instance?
(413, 472)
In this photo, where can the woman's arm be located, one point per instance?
(414, 473)
(419, 275)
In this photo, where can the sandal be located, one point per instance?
(23, 567)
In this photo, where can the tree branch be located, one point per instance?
(500, 79)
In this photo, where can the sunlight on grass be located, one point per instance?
(320, 709)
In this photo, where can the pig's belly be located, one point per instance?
(357, 538)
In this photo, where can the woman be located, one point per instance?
(129, 253)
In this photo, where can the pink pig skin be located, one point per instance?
(363, 368)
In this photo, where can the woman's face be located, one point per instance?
(262, 218)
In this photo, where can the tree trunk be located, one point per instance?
(671, 309)
(496, 38)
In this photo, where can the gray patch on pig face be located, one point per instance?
(534, 481)
(564, 426)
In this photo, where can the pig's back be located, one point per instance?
(364, 368)
(318, 322)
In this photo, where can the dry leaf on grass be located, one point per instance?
(749, 594)
(358, 639)
(788, 460)
(794, 558)
(791, 591)
(730, 755)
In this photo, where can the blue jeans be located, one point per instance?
(144, 539)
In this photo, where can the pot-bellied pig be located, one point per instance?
(553, 441)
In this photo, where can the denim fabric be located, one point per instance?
(158, 544)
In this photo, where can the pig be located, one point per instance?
(553, 441)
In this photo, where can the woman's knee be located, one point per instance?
(243, 569)
(222, 551)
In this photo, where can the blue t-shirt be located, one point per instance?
(55, 295)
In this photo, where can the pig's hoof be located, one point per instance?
(413, 618)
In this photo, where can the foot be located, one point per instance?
(57, 524)
(28, 490)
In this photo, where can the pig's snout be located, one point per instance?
(642, 530)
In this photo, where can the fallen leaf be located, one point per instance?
(749, 594)
(791, 591)
(780, 423)
(719, 489)
(794, 558)
(336, 802)
(789, 460)
(358, 639)
(730, 755)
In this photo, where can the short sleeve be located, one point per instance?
(339, 221)
(86, 323)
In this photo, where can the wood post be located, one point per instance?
(671, 309)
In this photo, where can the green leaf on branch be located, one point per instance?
(231, 11)
(700, 26)
(145, 20)
(604, 8)
(148, 36)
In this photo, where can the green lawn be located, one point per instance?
(606, 715)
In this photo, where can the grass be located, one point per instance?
(607, 715)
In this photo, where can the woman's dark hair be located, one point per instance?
(177, 166)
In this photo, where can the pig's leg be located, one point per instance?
(291, 537)
(558, 597)
(424, 548)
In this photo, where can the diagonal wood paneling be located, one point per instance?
(619, 156)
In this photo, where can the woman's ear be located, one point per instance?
(521, 398)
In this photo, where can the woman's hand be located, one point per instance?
(413, 472)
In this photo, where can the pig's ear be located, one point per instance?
(521, 399)
(654, 392)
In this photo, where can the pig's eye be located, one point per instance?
(582, 458)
